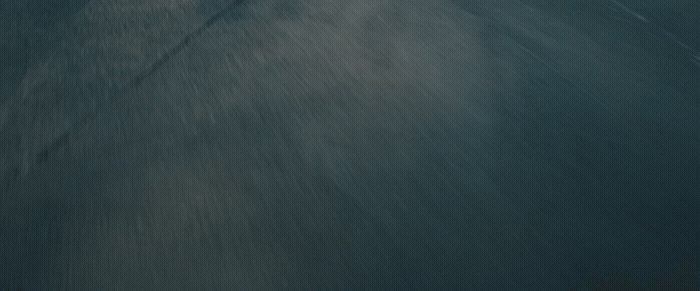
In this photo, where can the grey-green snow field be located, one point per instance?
(349, 144)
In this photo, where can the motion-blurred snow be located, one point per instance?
(348, 144)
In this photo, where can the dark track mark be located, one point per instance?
(155, 66)
(12, 178)
(140, 77)
(58, 143)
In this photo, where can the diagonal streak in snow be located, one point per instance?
(64, 138)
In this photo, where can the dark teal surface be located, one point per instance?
(385, 144)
